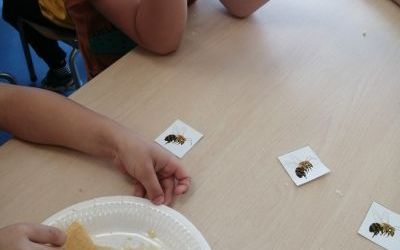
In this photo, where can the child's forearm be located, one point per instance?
(242, 8)
(160, 23)
(156, 25)
(44, 117)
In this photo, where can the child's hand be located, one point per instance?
(26, 236)
(157, 174)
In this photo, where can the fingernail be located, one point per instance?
(159, 200)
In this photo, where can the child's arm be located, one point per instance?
(156, 25)
(242, 8)
(44, 117)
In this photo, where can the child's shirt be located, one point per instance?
(101, 44)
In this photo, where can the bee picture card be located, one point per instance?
(179, 138)
(303, 165)
(382, 227)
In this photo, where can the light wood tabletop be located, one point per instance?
(319, 73)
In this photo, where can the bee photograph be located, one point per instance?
(382, 226)
(178, 138)
(303, 165)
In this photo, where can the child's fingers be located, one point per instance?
(174, 169)
(182, 186)
(43, 234)
(139, 190)
(148, 178)
(168, 187)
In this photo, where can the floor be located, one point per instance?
(12, 61)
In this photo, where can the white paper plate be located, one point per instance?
(121, 221)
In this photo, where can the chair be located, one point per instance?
(65, 35)
(9, 78)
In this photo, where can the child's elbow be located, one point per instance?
(164, 49)
(163, 42)
(240, 13)
(241, 8)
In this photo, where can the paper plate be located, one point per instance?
(125, 222)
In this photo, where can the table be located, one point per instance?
(318, 73)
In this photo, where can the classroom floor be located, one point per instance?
(12, 61)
